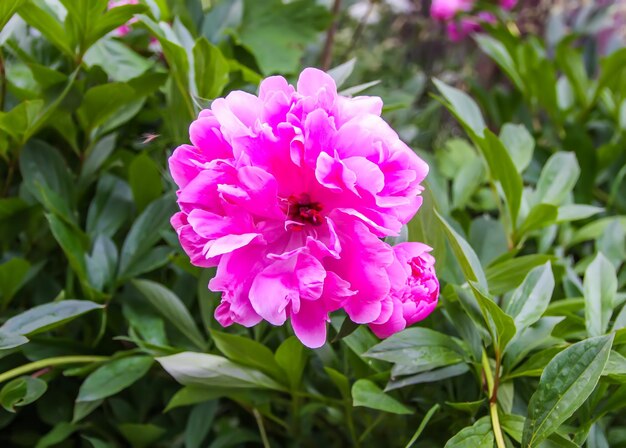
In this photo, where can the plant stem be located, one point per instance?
(493, 402)
(327, 53)
(259, 421)
(49, 362)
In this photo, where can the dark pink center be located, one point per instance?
(302, 209)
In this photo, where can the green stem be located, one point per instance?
(493, 402)
(259, 421)
(49, 362)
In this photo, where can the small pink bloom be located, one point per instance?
(445, 10)
(123, 30)
(508, 4)
(289, 193)
(414, 289)
(459, 30)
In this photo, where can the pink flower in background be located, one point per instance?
(289, 193)
(459, 30)
(414, 289)
(123, 30)
(445, 10)
(508, 4)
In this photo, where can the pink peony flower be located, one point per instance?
(289, 193)
(508, 4)
(414, 290)
(445, 10)
(123, 30)
(458, 31)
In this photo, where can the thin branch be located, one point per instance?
(327, 53)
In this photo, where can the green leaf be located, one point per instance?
(83, 408)
(145, 232)
(48, 316)
(520, 144)
(422, 425)
(112, 19)
(502, 169)
(291, 356)
(13, 274)
(339, 380)
(509, 274)
(58, 434)
(594, 229)
(210, 69)
(201, 369)
(464, 253)
(501, 325)
(531, 299)
(72, 244)
(277, 32)
(199, 423)
(49, 26)
(110, 207)
(141, 435)
(7, 9)
(101, 102)
(247, 352)
(600, 287)
(144, 178)
(171, 307)
(102, 263)
(467, 181)
(117, 60)
(565, 384)
(417, 350)
(575, 212)
(557, 179)
(501, 56)
(488, 238)
(342, 72)
(11, 340)
(113, 377)
(19, 121)
(541, 215)
(463, 107)
(21, 391)
(367, 394)
(479, 435)
(431, 376)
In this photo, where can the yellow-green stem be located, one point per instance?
(49, 362)
(493, 403)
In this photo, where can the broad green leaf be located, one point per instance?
(7, 9)
(575, 212)
(144, 178)
(520, 144)
(342, 72)
(615, 367)
(72, 244)
(339, 380)
(500, 324)
(600, 287)
(102, 263)
(463, 107)
(479, 435)
(497, 51)
(141, 435)
(277, 32)
(488, 238)
(201, 369)
(612, 244)
(291, 356)
(532, 297)
(464, 253)
(83, 408)
(247, 352)
(48, 316)
(145, 232)
(367, 394)
(110, 207)
(117, 60)
(171, 308)
(502, 169)
(467, 181)
(21, 391)
(541, 215)
(13, 273)
(557, 179)
(11, 340)
(417, 350)
(199, 423)
(49, 26)
(19, 121)
(110, 20)
(432, 376)
(60, 432)
(509, 274)
(100, 102)
(210, 69)
(565, 384)
(113, 377)
(594, 229)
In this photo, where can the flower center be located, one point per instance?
(301, 208)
